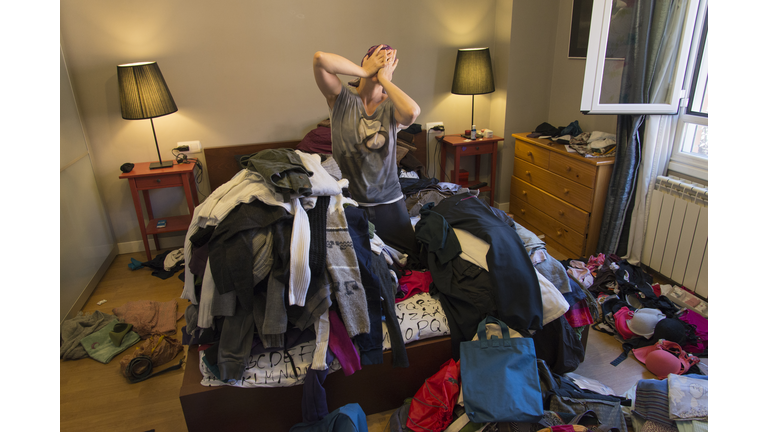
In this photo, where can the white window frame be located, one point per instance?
(595, 64)
(682, 162)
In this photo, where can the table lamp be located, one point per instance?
(473, 74)
(144, 95)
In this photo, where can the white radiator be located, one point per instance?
(676, 233)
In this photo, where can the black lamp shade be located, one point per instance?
(143, 91)
(473, 74)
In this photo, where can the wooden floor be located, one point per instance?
(95, 396)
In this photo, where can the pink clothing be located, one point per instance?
(341, 345)
(595, 262)
(580, 272)
(701, 324)
(579, 315)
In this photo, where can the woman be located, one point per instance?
(364, 125)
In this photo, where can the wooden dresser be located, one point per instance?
(559, 194)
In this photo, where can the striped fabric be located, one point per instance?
(652, 401)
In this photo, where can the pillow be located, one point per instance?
(421, 317)
(318, 140)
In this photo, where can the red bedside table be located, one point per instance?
(141, 178)
(459, 146)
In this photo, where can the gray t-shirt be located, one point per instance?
(364, 148)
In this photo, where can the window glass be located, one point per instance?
(695, 140)
(690, 153)
(698, 99)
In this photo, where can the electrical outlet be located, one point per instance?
(193, 146)
(431, 125)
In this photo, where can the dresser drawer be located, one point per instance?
(580, 172)
(550, 205)
(158, 181)
(567, 190)
(551, 228)
(532, 154)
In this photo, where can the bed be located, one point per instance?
(375, 388)
(209, 405)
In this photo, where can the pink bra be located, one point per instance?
(660, 364)
(620, 318)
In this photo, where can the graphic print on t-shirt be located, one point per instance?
(373, 133)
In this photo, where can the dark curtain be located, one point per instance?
(619, 202)
(649, 23)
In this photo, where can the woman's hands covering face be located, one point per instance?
(373, 63)
(385, 73)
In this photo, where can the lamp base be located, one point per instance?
(163, 164)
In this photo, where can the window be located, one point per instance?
(637, 56)
(691, 152)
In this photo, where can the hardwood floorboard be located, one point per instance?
(95, 396)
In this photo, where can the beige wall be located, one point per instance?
(86, 244)
(567, 80)
(240, 72)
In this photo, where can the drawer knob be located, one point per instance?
(527, 173)
(525, 193)
(158, 180)
(530, 153)
(559, 233)
(561, 213)
(477, 148)
(566, 191)
(568, 169)
(522, 211)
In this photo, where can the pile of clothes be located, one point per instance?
(587, 144)
(102, 336)
(637, 313)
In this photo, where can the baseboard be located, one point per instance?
(83, 298)
(138, 246)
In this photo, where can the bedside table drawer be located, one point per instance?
(532, 154)
(567, 190)
(158, 181)
(474, 148)
(581, 173)
(554, 207)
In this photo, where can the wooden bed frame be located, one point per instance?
(376, 388)
(222, 161)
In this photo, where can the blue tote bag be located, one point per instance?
(499, 378)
